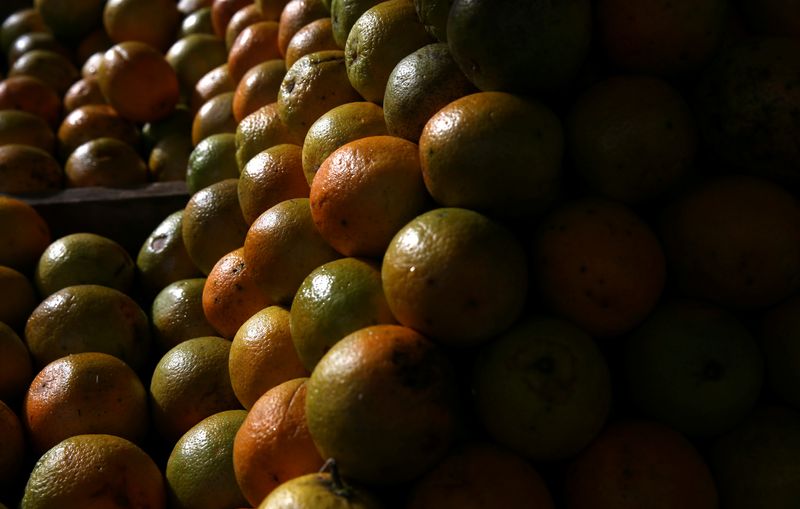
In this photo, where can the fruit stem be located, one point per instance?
(337, 485)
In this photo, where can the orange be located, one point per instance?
(340, 125)
(315, 36)
(105, 162)
(271, 9)
(82, 92)
(177, 313)
(230, 295)
(88, 318)
(263, 355)
(24, 234)
(273, 445)
(91, 66)
(190, 383)
(190, 6)
(344, 14)
(455, 275)
(636, 464)
(269, 178)
(36, 40)
(25, 169)
(193, 56)
(84, 258)
(199, 470)
(169, 158)
(71, 20)
(213, 83)
(258, 87)
(255, 44)
(383, 403)
(222, 11)
(23, 128)
(196, 22)
(282, 247)
(213, 224)
(420, 85)
(95, 472)
(12, 455)
(17, 371)
(335, 299)
(365, 191)
(17, 298)
(433, 14)
(138, 82)
(610, 289)
(152, 22)
(261, 130)
(52, 68)
(215, 116)
(313, 85)
(321, 490)
(30, 94)
(211, 161)
(163, 259)
(295, 15)
(481, 476)
(244, 17)
(651, 37)
(84, 393)
(521, 139)
(94, 121)
(177, 123)
(97, 41)
(20, 22)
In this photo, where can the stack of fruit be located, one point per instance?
(438, 253)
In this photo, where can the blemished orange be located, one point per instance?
(255, 44)
(95, 471)
(138, 82)
(16, 370)
(282, 247)
(261, 130)
(94, 121)
(221, 13)
(295, 15)
(636, 463)
(365, 191)
(313, 37)
(30, 94)
(215, 116)
(383, 402)
(273, 445)
(481, 476)
(258, 87)
(153, 22)
(190, 383)
(12, 455)
(243, 18)
(177, 313)
(25, 169)
(214, 82)
(455, 275)
(231, 295)
(83, 393)
(105, 162)
(263, 355)
(271, 177)
(24, 234)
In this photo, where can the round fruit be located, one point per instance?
(16, 370)
(105, 162)
(320, 490)
(24, 234)
(25, 169)
(162, 258)
(212, 160)
(177, 313)
(153, 22)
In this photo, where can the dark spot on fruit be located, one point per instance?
(343, 223)
(430, 281)
(414, 370)
(288, 86)
(158, 243)
(239, 288)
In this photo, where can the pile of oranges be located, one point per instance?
(437, 253)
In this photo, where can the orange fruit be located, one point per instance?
(94, 121)
(213, 83)
(335, 299)
(190, 6)
(321, 490)
(24, 234)
(263, 355)
(340, 125)
(123, 21)
(213, 225)
(36, 40)
(23, 128)
(258, 87)
(255, 44)
(433, 14)
(97, 41)
(177, 313)
(169, 158)
(138, 82)
(271, 9)
(94, 472)
(177, 123)
(271, 177)
(199, 470)
(52, 68)
(211, 161)
(244, 17)
(261, 130)
(82, 92)
(383, 403)
(344, 14)
(22, 21)
(17, 371)
(105, 162)
(193, 56)
(273, 444)
(84, 258)
(88, 318)
(231, 295)
(190, 383)
(71, 20)
(455, 275)
(295, 15)
(215, 116)
(30, 94)
(18, 298)
(282, 247)
(313, 37)
(12, 456)
(636, 463)
(365, 191)
(196, 22)
(222, 11)
(25, 169)
(480, 476)
(520, 138)
(83, 393)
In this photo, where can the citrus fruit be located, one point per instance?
(177, 123)
(169, 158)
(320, 490)
(344, 14)
(231, 295)
(199, 470)
(70, 20)
(273, 444)
(197, 22)
(105, 162)
(12, 456)
(35, 40)
(222, 11)
(190, 6)
(30, 94)
(271, 9)
(263, 355)
(212, 160)
(455, 276)
(365, 191)
(25, 169)
(24, 234)
(520, 139)
(82, 92)
(88, 318)
(295, 15)
(255, 44)
(21, 21)
(433, 14)
(261, 130)
(23, 128)
(177, 313)
(193, 56)
(609, 289)
(190, 383)
(213, 83)
(163, 259)
(96, 41)
(258, 87)
(52, 68)
(315, 36)
(123, 21)
(94, 471)
(83, 393)
(18, 298)
(243, 18)
(94, 121)
(271, 177)
(338, 126)
(84, 258)
(215, 116)
(16, 372)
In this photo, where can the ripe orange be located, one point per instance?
(215, 116)
(255, 44)
(24, 234)
(12, 455)
(222, 11)
(344, 14)
(261, 130)
(273, 445)
(20, 22)
(212, 160)
(213, 83)
(16, 370)
(23, 128)
(313, 37)
(152, 22)
(105, 162)
(52, 68)
(271, 9)
(321, 490)
(258, 87)
(30, 94)
(25, 169)
(196, 22)
(17, 299)
(36, 40)
(70, 20)
(82, 92)
(94, 121)
(295, 15)
(177, 313)
(84, 393)
(243, 18)
(193, 56)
